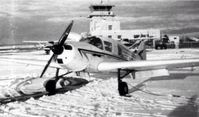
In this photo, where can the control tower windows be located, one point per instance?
(110, 27)
(136, 36)
(119, 36)
(109, 36)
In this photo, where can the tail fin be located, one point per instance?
(139, 49)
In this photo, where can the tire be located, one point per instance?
(161, 47)
(164, 46)
(50, 87)
(123, 88)
(156, 47)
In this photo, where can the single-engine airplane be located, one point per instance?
(98, 54)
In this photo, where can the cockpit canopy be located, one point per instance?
(96, 41)
(99, 43)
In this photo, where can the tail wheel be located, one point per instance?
(123, 88)
(50, 86)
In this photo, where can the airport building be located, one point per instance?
(103, 23)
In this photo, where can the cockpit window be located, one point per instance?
(108, 46)
(96, 42)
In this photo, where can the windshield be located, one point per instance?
(94, 41)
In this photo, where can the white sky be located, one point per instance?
(35, 18)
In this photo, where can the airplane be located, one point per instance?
(103, 55)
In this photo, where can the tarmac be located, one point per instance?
(169, 96)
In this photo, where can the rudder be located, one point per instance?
(139, 49)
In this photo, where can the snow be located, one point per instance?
(160, 97)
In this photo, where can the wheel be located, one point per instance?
(123, 88)
(161, 47)
(50, 87)
(164, 46)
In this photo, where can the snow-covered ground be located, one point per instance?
(173, 96)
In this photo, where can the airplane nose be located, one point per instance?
(68, 53)
(71, 58)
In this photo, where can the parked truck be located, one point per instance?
(164, 43)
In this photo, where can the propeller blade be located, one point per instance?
(58, 47)
(65, 34)
(48, 63)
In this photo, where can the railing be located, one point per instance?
(189, 45)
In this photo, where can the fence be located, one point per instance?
(189, 45)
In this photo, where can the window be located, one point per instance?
(136, 36)
(110, 27)
(126, 40)
(119, 50)
(143, 35)
(108, 46)
(109, 36)
(96, 42)
(119, 36)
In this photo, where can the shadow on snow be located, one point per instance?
(188, 110)
(74, 83)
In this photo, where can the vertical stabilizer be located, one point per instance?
(139, 48)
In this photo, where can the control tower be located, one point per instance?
(103, 22)
(102, 18)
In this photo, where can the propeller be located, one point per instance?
(57, 48)
(46, 66)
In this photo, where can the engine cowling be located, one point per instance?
(72, 59)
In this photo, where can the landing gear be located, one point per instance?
(122, 86)
(50, 86)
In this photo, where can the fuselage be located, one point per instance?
(88, 53)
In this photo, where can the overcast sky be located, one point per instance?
(46, 19)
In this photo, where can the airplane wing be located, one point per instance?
(28, 61)
(148, 64)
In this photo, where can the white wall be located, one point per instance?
(99, 23)
(128, 34)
